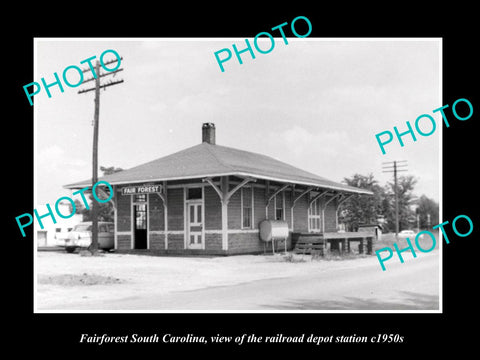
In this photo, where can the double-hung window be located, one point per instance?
(247, 204)
(279, 206)
(314, 216)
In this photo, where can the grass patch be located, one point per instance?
(87, 253)
(336, 255)
(329, 256)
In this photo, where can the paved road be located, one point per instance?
(413, 285)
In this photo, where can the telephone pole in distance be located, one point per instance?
(395, 167)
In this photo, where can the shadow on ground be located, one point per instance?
(409, 301)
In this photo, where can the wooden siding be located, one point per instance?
(155, 212)
(271, 209)
(213, 209)
(234, 210)
(124, 242)
(330, 223)
(175, 242)
(123, 212)
(244, 243)
(213, 242)
(259, 206)
(175, 210)
(288, 206)
(300, 215)
(157, 241)
(248, 242)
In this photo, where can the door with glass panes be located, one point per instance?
(140, 211)
(194, 224)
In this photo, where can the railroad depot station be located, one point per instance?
(212, 199)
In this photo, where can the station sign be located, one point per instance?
(141, 189)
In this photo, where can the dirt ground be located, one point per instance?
(64, 279)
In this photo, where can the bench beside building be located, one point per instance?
(210, 199)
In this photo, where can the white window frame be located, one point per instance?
(275, 206)
(311, 217)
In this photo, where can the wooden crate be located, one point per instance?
(310, 244)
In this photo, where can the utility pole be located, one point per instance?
(395, 167)
(94, 245)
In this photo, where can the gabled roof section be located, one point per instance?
(207, 160)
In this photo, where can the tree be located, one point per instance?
(363, 209)
(406, 215)
(388, 213)
(428, 212)
(367, 209)
(110, 170)
(105, 210)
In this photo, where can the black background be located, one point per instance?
(52, 334)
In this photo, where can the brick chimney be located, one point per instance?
(208, 133)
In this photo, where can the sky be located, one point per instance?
(315, 103)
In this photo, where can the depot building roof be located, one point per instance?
(210, 160)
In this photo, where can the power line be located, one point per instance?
(101, 86)
(101, 75)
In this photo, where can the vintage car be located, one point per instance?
(81, 236)
(408, 234)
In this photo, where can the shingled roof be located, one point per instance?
(208, 160)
